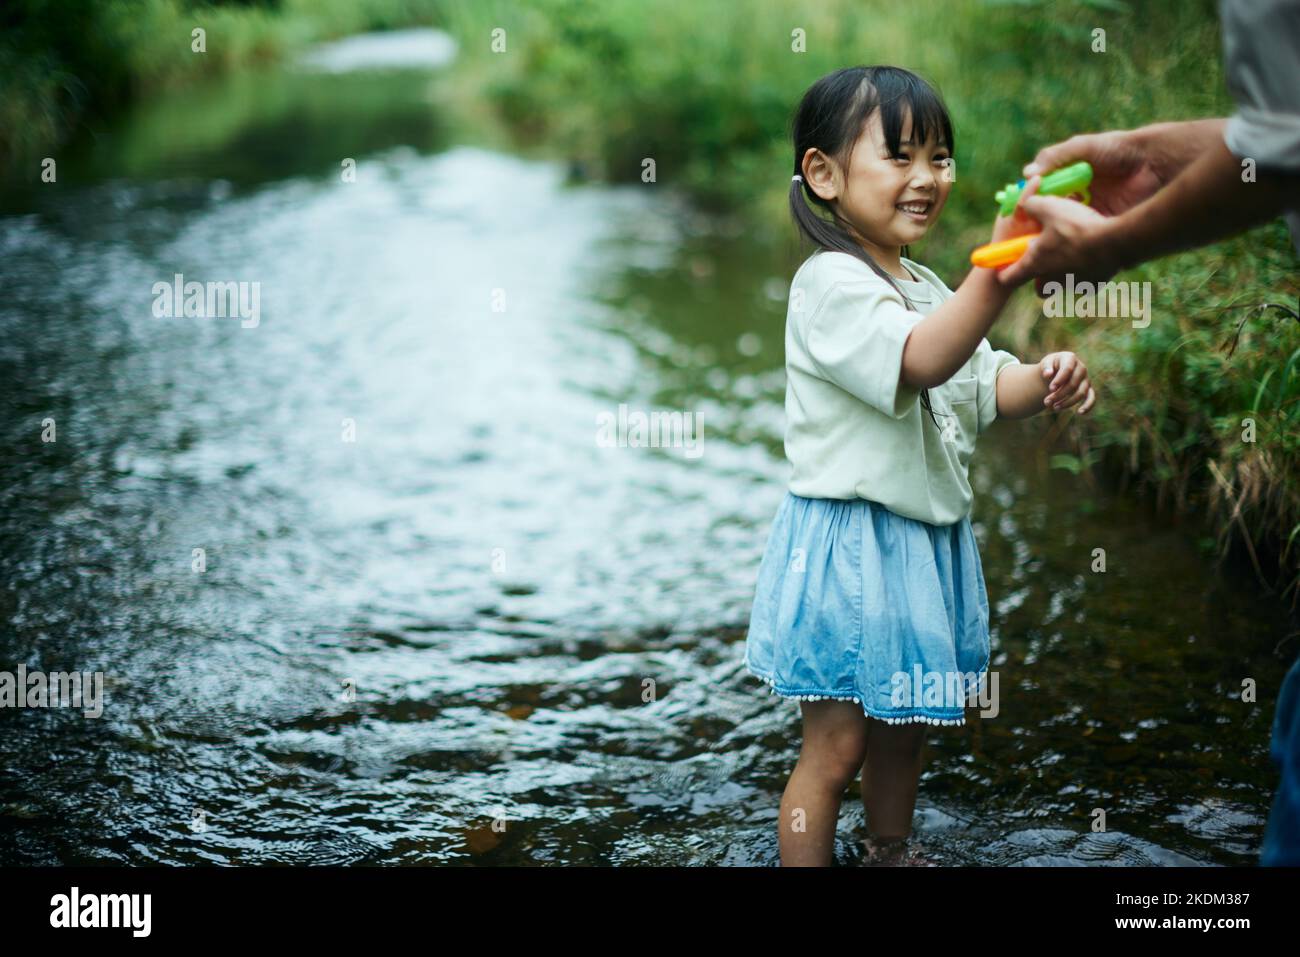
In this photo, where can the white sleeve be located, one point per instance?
(855, 340)
(988, 363)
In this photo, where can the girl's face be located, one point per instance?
(893, 200)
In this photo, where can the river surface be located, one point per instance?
(433, 618)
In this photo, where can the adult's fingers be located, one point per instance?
(1040, 207)
(1077, 147)
(1045, 210)
(1028, 193)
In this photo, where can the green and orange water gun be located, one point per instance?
(1072, 180)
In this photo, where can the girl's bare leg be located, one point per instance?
(890, 775)
(834, 746)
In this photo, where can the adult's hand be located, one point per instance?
(1129, 167)
(1123, 175)
(1072, 240)
(1124, 172)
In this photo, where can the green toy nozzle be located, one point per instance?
(1065, 181)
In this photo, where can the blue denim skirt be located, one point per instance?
(858, 603)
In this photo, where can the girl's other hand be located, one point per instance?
(1019, 222)
(1067, 382)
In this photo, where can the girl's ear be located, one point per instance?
(822, 175)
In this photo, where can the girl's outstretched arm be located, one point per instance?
(940, 344)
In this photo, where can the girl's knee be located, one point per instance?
(837, 747)
(837, 768)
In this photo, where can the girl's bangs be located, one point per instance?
(928, 118)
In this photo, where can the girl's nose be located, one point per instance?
(924, 179)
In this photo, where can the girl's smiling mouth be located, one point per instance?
(917, 212)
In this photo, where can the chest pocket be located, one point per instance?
(958, 397)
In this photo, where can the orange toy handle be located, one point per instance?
(1004, 253)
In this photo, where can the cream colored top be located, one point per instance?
(851, 430)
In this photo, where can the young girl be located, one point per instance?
(871, 578)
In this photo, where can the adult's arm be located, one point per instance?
(1208, 201)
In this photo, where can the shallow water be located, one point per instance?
(538, 629)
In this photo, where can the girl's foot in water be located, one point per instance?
(894, 852)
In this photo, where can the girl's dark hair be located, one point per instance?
(831, 116)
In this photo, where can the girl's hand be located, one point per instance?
(1067, 382)
(1019, 222)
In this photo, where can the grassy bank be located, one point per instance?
(66, 63)
(707, 90)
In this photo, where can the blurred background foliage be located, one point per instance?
(68, 63)
(707, 90)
